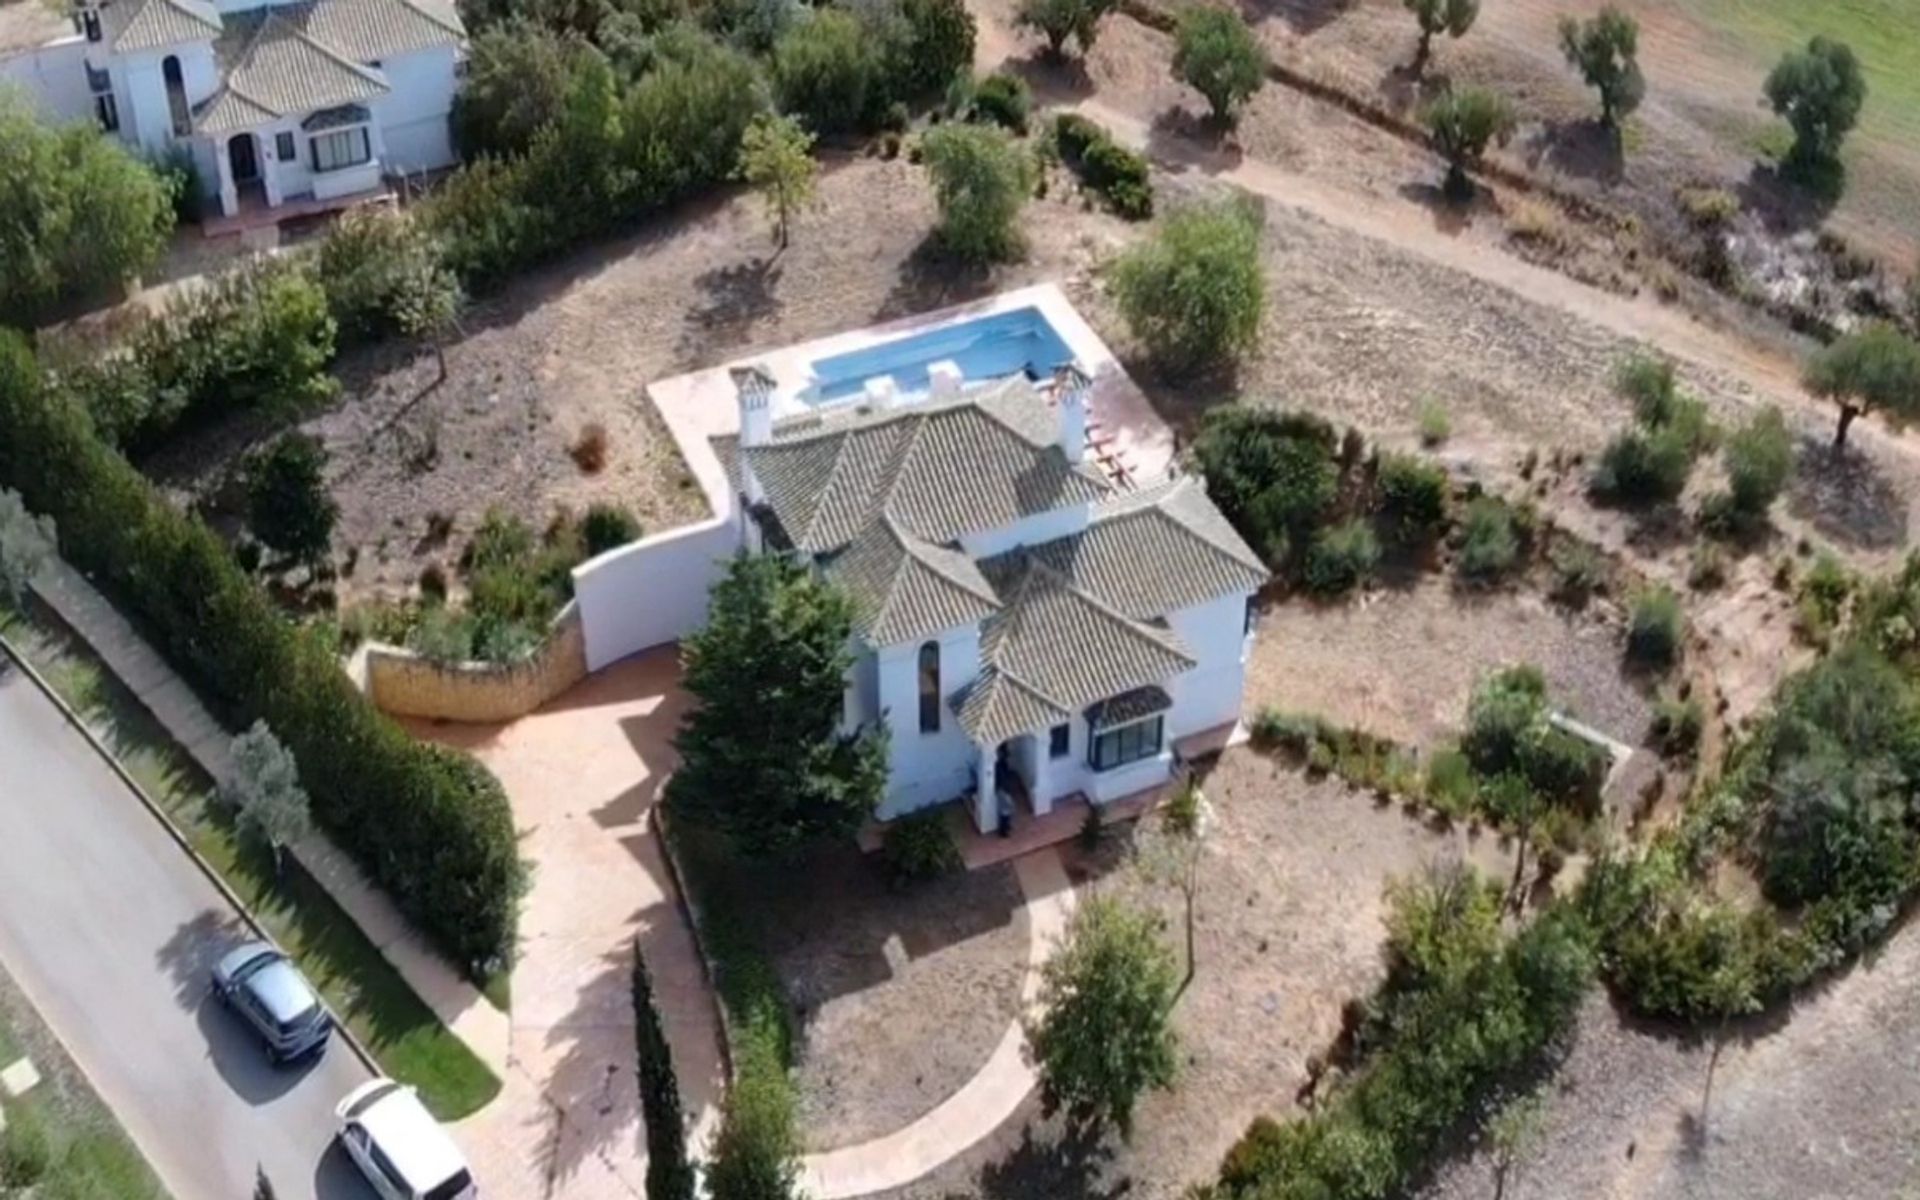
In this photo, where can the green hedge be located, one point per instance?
(428, 825)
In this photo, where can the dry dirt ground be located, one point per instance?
(1702, 122)
(25, 24)
(900, 995)
(1401, 662)
(1290, 925)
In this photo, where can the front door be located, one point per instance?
(242, 158)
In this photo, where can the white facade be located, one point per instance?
(272, 104)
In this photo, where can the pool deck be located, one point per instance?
(1125, 435)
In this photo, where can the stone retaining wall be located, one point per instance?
(405, 684)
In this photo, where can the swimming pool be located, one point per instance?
(1020, 340)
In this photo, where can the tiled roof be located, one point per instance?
(149, 24)
(1128, 706)
(904, 589)
(940, 469)
(1151, 552)
(367, 30)
(1053, 649)
(271, 66)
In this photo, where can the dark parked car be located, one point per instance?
(261, 984)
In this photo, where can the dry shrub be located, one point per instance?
(1541, 224)
(589, 450)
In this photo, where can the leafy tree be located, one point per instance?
(1218, 56)
(1463, 122)
(669, 1175)
(756, 1153)
(1451, 17)
(1604, 50)
(1005, 99)
(825, 70)
(1194, 293)
(26, 546)
(1820, 91)
(81, 212)
(1272, 473)
(288, 507)
(1175, 853)
(981, 180)
(937, 48)
(1875, 369)
(519, 75)
(1103, 1036)
(265, 790)
(382, 274)
(762, 758)
(1058, 20)
(776, 160)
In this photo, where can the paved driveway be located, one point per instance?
(109, 928)
(583, 774)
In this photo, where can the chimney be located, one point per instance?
(1070, 385)
(754, 389)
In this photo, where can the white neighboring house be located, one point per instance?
(1026, 628)
(276, 103)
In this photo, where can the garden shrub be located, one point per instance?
(1489, 543)
(670, 1176)
(1104, 166)
(1441, 1041)
(1343, 557)
(1193, 294)
(82, 212)
(1654, 629)
(1650, 463)
(1509, 733)
(919, 847)
(1578, 570)
(288, 506)
(937, 48)
(1003, 99)
(608, 527)
(1073, 133)
(1272, 473)
(1759, 460)
(1684, 962)
(519, 76)
(426, 824)
(1413, 496)
(1822, 596)
(26, 1148)
(258, 337)
(383, 276)
(1676, 726)
(825, 71)
(981, 178)
(1434, 424)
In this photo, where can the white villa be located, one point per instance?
(1029, 626)
(276, 103)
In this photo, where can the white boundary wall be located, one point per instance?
(653, 591)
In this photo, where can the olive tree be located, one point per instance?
(776, 160)
(1058, 20)
(981, 179)
(1605, 51)
(265, 790)
(1218, 56)
(1451, 17)
(1876, 369)
(26, 545)
(1193, 294)
(1463, 122)
(1819, 90)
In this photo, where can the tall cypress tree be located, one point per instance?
(669, 1174)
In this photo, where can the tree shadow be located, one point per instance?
(189, 955)
(1847, 496)
(1303, 18)
(1451, 216)
(589, 1084)
(932, 278)
(1786, 203)
(1074, 1165)
(1404, 86)
(1185, 140)
(1053, 81)
(1584, 149)
(734, 300)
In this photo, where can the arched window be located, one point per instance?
(930, 688)
(176, 96)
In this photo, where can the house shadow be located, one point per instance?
(1846, 495)
(1581, 149)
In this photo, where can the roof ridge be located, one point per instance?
(366, 73)
(919, 549)
(1111, 613)
(1157, 507)
(451, 27)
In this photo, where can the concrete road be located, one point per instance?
(110, 929)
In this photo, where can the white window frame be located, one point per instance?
(329, 136)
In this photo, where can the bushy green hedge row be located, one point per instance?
(1463, 1010)
(1112, 171)
(429, 826)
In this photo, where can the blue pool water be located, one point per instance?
(987, 348)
